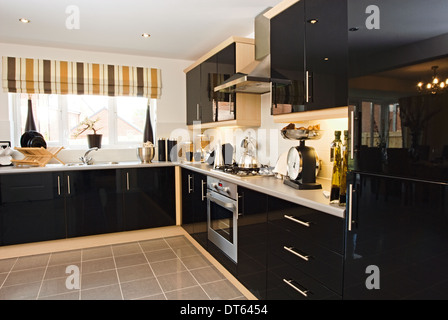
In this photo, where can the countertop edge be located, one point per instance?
(250, 183)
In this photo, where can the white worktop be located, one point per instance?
(272, 186)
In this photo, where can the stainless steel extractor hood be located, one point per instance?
(256, 77)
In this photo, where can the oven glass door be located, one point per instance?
(222, 223)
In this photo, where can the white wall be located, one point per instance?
(171, 107)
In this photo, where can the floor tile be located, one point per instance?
(98, 265)
(110, 292)
(7, 264)
(96, 253)
(160, 255)
(97, 279)
(194, 262)
(59, 271)
(25, 291)
(207, 274)
(65, 257)
(177, 281)
(168, 266)
(140, 271)
(30, 262)
(140, 288)
(130, 260)
(192, 293)
(221, 290)
(62, 296)
(177, 241)
(186, 251)
(126, 248)
(54, 287)
(152, 245)
(24, 276)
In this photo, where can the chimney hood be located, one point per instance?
(256, 77)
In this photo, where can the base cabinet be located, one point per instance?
(32, 208)
(56, 205)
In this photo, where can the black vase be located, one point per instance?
(30, 125)
(147, 132)
(94, 140)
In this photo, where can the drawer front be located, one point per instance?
(284, 282)
(320, 263)
(307, 223)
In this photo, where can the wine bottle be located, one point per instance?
(336, 175)
(343, 184)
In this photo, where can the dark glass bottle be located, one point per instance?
(147, 132)
(343, 185)
(336, 175)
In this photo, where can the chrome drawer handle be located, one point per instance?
(302, 255)
(304, 292)
(292, 218)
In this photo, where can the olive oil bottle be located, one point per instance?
(343, 184)
(337, 161)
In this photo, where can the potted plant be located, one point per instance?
(94, 140)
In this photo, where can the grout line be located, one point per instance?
(152, 270)
(116, 272)
(189, 271)
(10, 270)
(43, 277)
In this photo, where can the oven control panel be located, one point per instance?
(223, 187)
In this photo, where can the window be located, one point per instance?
(121, 119)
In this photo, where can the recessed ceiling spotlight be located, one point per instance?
(353, 29)
(326, 59)
(146, 35)
(24, 20)
(313, 21)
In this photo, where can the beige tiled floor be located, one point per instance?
(168, 268)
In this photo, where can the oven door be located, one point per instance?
(222, 215)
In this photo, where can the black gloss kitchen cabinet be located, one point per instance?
(305, 252)
(309, 47)
(252, 241)
(93, 202)
(148, 197)
(200, 95)
(194, 205)
(32, 208)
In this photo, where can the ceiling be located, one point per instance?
(179, 29)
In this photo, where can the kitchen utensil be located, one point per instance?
(301, 165)
(248, 159)
(145, 154)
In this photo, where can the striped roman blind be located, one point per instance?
(24, 75)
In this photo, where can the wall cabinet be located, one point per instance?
(57, 205)
(221, 108)
(309, 47)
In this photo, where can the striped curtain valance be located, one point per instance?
(24, 75)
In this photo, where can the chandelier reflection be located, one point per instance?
(435, 86)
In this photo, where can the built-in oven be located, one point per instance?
(222, 216)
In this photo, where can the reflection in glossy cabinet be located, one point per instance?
(32, 208)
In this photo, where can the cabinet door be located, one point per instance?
(193, 95)
(93, 202)
(149, 198)
(252, 241)
(287, 59)
(226, 65)
(208, 100)
(326, 53)
(32, 208)
(187, 201)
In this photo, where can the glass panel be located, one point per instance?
(222, 221)
(131, 116)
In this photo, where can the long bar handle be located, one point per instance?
(68, 184)
(350, 206)
(224, 204)
(303, 291)
(307, 87)
(294, 251)
(292, 218)
(189, 183)
(127, 181)
(352, 128)
(197, 112)
(202, 190)
(59, 185)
